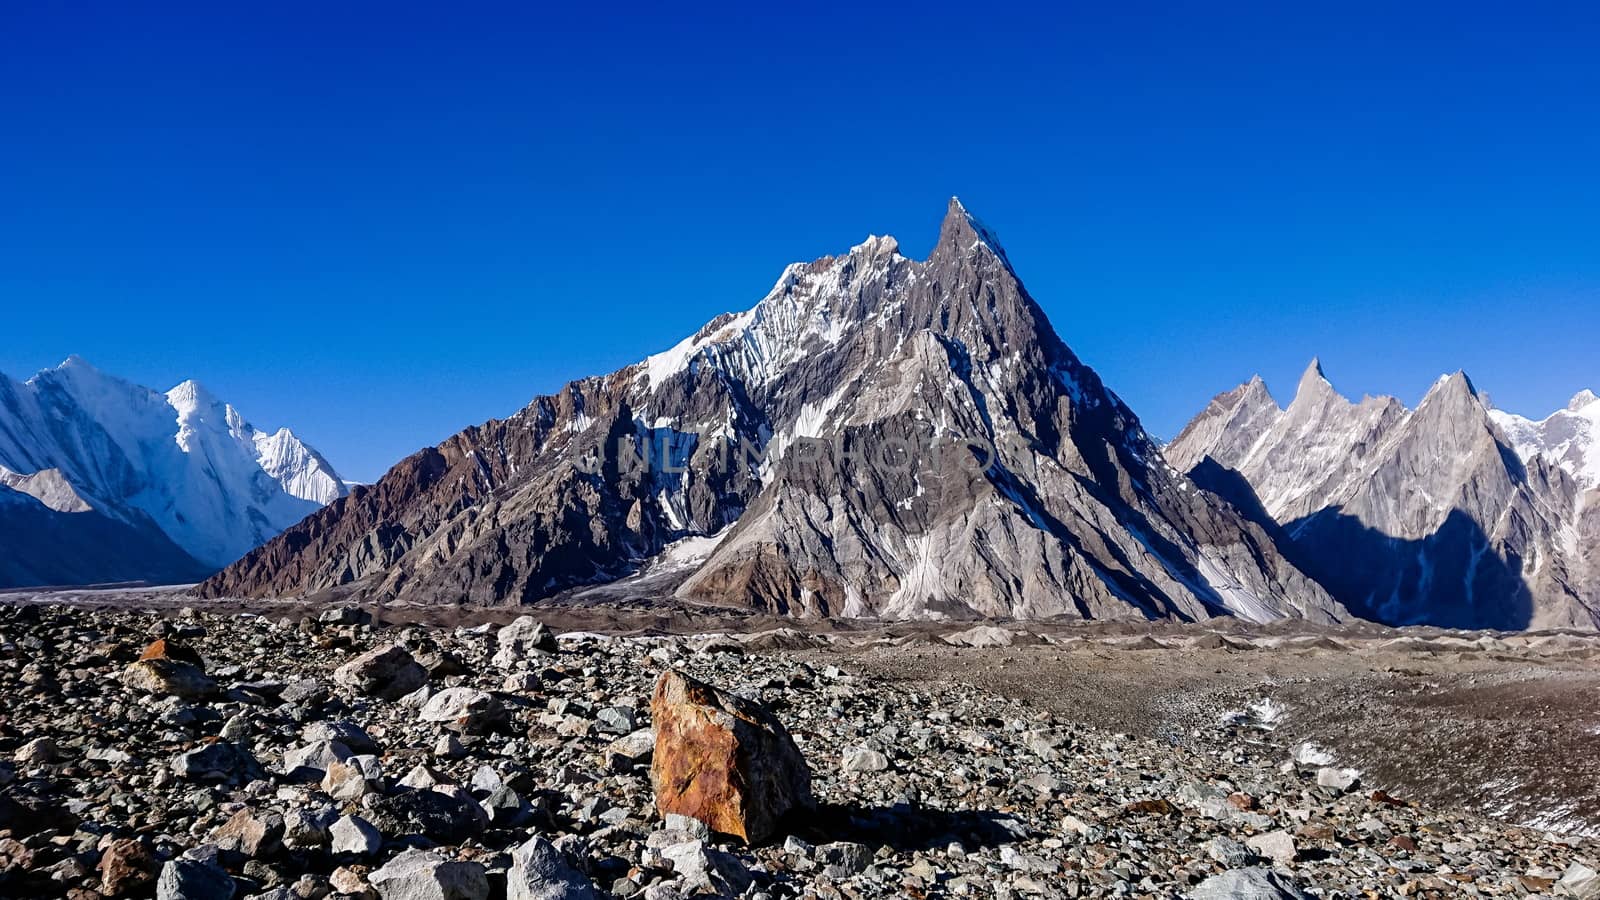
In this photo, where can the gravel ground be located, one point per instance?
(948, 760)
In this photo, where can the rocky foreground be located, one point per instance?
(209, 756)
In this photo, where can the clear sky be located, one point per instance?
(380, 223)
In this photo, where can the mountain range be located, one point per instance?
(877, 436)
(102, 480)
(1452, 513)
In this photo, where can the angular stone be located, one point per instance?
(1227, 851)
(37, 752)
(355, 835)
(169, 678)
(1248, 884)
(464, 710)
(724, 760)
(125, 866)
(424, 875)
(705, 869)
(341, 731)
(522, 637)
(387, 672)
(434, 814)
(316, 757)
(346, 781)
(849, 857)
(216, 761)
(254, 834)
(193, 879)
(540, 872)
(622, 754)
(1277, 846)
(859, 760)
(616, 720)
(1579, 881)
(162, 648)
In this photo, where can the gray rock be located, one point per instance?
(464, 710)
(540, 872)
(847, 857)
(425, 875)
(1248, 884)
(616, 720)
(859, 760)
(518, 640)
(703, 868)
(630, 750)
(192, 879)
(216, 761)
(1277, 846)
(315, 757)
(1228, 851)
(354, 835)
(1579, 881)
(387, 672)
(341, 731)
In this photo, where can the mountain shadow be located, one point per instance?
(42, 547)
(1452, 578)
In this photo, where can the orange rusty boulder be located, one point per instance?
(161, 648)
(724, 760)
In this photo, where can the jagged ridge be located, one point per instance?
(768, 429)
(1424, 516)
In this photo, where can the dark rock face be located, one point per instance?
(1423, 516)
(879, 436)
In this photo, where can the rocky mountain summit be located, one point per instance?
(1449, 514)
(878, 436)
(218, 756)
(102, 480)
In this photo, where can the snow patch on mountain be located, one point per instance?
(1568, 438)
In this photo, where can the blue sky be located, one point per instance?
(381, 223)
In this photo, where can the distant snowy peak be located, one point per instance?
(1568, 438)
(76, 439)
(301, 471)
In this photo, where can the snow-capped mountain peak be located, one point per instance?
(1568, 438)
(181, 464)
(871, 387)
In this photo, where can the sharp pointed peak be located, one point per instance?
(74, 370)
(191, 394)
(1582, 399)
(1453, 385)
(1314, 376)
(1314, 386)
(961, 230)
